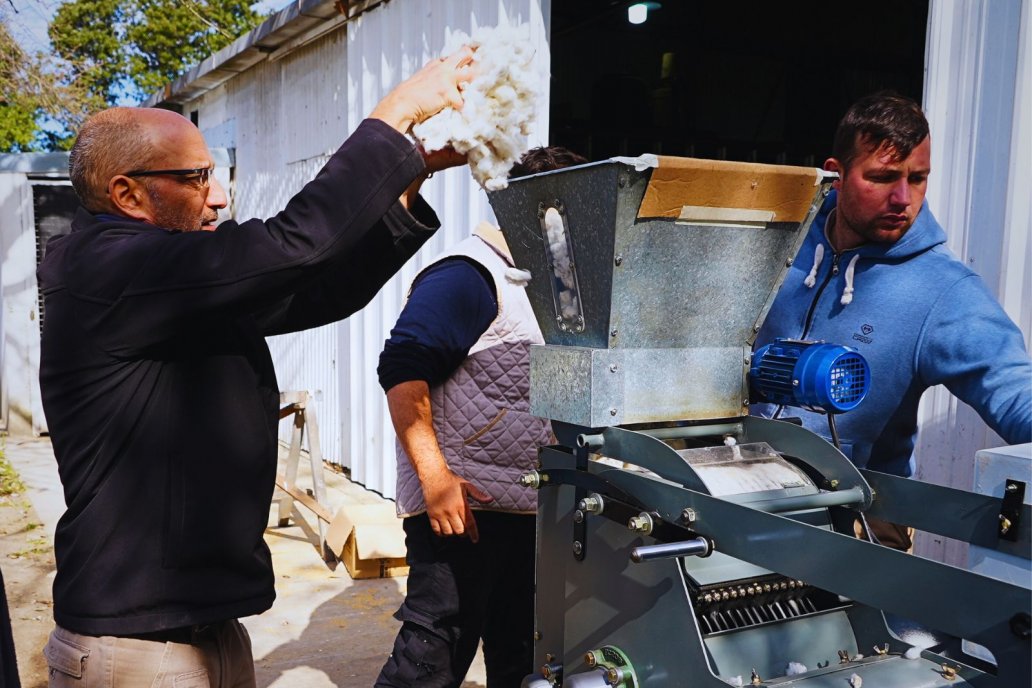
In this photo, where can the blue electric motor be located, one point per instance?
(811, 375)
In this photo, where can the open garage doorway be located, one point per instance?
(753, 81)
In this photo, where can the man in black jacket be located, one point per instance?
(158, 386)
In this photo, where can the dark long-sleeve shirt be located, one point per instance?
(450, 306)
(160, 392)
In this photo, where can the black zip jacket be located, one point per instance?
(160, 393)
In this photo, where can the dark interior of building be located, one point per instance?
(754, 81)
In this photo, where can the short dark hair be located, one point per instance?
(545, 159)
(883, 119)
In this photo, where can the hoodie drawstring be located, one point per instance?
(847, 293)
(818, 256)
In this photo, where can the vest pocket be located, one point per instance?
(484, 430)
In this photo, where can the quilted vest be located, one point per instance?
(482, 412)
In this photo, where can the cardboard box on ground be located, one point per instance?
(369, 539)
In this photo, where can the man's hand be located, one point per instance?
(447, 504)
(447, 495)
(434, 87)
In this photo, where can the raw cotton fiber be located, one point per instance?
(492, 127)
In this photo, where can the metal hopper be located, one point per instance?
(650, 278)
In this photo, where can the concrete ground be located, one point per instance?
(325, 629)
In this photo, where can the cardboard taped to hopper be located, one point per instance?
(369, 539)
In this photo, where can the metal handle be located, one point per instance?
(697, 547)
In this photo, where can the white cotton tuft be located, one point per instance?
(520, 278)
(735, 681)
(913, 653)
(855, 681)
(500, 105)
(795, 668)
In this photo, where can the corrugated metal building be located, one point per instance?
(283, 97)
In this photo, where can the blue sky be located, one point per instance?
(27, 19)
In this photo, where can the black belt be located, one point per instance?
(187, 635)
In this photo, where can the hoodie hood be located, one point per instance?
(924, 234)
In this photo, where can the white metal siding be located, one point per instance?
(385, 46)
(979, 106)
(284, 118)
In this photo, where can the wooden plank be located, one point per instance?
(304, 498)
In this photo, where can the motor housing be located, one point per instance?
(812, 375)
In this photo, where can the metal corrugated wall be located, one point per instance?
(979, 106)
(283, 118)
(385, 46)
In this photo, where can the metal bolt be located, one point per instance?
(688, 515)
(795, 383)
(745, 402)
(612, 411)
(1012, 488)
(530, 479)
(578, 548)
(614, 676)
(612, 332)
(642, 523)
(589, 659)
(788, 263)
(834, 484)
(618, 259)
(591, 504)
(949, 673)
(613, 367)
(578, 516)
(1005, 524)
(755, 328)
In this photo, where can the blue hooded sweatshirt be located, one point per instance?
(921, 318)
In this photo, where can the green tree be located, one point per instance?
(128, 49)
(38, 105)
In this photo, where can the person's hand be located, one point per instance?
(436, 86)
(447, 504)
(442, 159)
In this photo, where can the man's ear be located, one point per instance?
(833, 165)
(128, 197)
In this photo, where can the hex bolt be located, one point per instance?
(614, 676)
(591, 504)
(1012, 488)
(532, 479)
(612, 332)
(578, 548)
(612, 411)
(613, 367)
(589, 659)
(578, 516)
(618, 260)
(788, 263)
(688, 515)
(642, 523)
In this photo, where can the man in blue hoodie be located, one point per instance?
(875, 273)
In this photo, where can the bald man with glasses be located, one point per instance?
(158, 386)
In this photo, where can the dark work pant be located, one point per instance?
(460, 593)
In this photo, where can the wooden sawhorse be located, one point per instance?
(299, 405)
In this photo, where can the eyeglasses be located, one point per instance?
(202, 175)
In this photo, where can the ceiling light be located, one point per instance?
(639, 11)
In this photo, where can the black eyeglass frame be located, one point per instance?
(202, 174)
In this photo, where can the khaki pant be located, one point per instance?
(218, 658)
